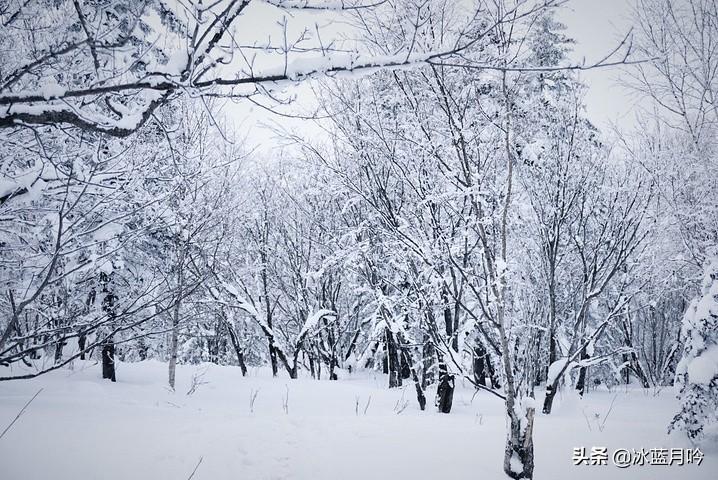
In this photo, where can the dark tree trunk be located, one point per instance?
(142, 349)
(405, 368)
(450, 322)
(427, 374)
(445, 392)
(480, 364)
(630, 360)
(638, 370)
(551, 349)
(267, 302)
(273, 356)
(409, 361)
(626, 370)
(212, 350)
(58, 351)
(34, 354)
(332, 347)
(81, 342)
(634, 365)
(311, 367)
(108, 360)
(535, 374)
(582, 372)
(352, 344)
(493, 375)
(420, 397)
(242, 364)
(392, 359)
(293, 369)
(108, 345)
(548, 399)
(332, 363)
(369, 363)
(237, 348)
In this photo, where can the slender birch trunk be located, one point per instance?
(174, 336)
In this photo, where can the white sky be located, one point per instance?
(597, 26)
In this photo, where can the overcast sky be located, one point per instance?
(597, 26)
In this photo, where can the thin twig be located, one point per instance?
(195, 469)
(368, 402)
(20, 413)
(610, 408)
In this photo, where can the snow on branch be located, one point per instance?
(240, 302)
(313, 320)
(158, 53)
(323, 5)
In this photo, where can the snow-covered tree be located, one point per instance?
(445, 161)
(697, 372)
(107, 67)
(676, 146)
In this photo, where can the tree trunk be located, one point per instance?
(392, 359)
(142, 349)
(519, 453)
(81, 342)
(550, 395)
(265, 295)
(279, 355)
(333, 363)
(370, 362)
(311, 367)
(273, 356)
(427, 363)
(108, 359)
(479, 364)
(420, 397)
(405, 369)
(174, 342)
(449, 321)
(332, 366)
(332, 347)
(237, 348)
(58, 351)
(445, 393)
(108, 345)
(582, 372)
(293, 372)
(241, 362)
(493, 374)
(445, 390)
(638, 370)
(632, 364)
(352, 344)
(174, 336)
(552, 320)
(409, 361)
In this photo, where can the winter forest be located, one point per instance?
(358, 239)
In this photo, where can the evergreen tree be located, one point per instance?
(697, 372)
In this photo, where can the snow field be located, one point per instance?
(80, 426)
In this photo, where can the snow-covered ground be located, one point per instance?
(81, 427)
